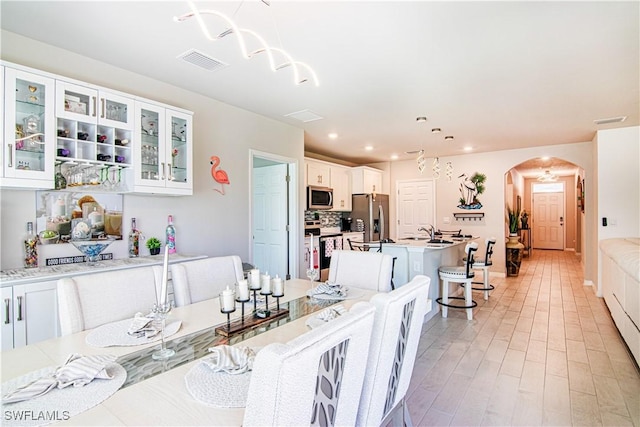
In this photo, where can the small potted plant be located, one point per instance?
(513, 246)
(513, 216)
(154, 245)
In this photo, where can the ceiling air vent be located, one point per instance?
(304, 116)
(610, 120)
(202, 60)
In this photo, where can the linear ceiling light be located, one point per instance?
(240, 32)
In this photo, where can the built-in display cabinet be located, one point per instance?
(163, 158)
(29, 130)
(55, 126)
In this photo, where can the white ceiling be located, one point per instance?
(495, 75)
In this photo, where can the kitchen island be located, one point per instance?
(417, 256)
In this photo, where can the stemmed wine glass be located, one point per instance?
(313, 274)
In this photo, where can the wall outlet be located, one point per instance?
(446, 220)
(416, 266)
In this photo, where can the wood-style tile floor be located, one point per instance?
(543, 350)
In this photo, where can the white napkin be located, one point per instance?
(78, 371)
(331, 313)
(232, 360)
(144, 326)
(325, 316)
(330, 289)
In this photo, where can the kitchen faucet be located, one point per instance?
(431, 230)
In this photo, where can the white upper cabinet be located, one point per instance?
(318, 173)
(163, 150)
(90, 105)
(366, 180)
(341, 184)
(29, 130)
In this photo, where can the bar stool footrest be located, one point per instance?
(490, 288)
(473, 303)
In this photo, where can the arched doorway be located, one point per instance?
(547, 190)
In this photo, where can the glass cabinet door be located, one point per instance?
(115, 110)
(76, 102)
(179, 150)
(149, 152)
(29, 129)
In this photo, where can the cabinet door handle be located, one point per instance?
(7, 319)
(374, 188)
(319, 179)
(10, 147)
(169, 175)
(102, 108)
(95, 106)
(163, 172)
(20, 318)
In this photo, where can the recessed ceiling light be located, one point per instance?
(333, 135)
(421, 119)
(394, 157)
(368, 147)
(448, 138)
(468, 148)
(545, 158)
(436, 130)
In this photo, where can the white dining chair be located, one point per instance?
(462, 274)
(315, 379)
(195, 281)
(90, 300)
(394, 344)
(366, 270)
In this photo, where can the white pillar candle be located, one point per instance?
(278, 286)
(265, 281)
(254, 277)
(227, 299)
(165, 273)
(243, 290)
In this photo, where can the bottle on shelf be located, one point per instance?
(134, 240)
(171, 236)
(30, 247)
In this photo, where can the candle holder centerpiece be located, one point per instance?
(255, 283)
(161, 312)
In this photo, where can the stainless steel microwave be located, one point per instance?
(319, 198)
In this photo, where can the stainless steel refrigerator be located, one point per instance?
(373, 210)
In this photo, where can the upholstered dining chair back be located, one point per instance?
(195, 281)
(394, 344)
(367, 270)
(315, 379)
(90, 300)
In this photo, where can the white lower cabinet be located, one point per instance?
(31, 316)
(353, 236)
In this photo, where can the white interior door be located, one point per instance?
(548, 220)
(270, 235)
(416, 206)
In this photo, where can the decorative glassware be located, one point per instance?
(161, 312)
(92, 249)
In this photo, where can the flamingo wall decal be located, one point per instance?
(219, 175)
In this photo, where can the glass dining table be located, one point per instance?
(154, 392)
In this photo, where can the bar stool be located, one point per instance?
(462, 274)
(484, 264)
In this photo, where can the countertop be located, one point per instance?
(424, 243)
(20, 276)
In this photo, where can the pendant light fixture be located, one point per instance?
(240, 34)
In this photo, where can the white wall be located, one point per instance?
(207, 222)
(617, 186)
(494, 165)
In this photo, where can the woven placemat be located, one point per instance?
(58, 404)
(217, 389)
